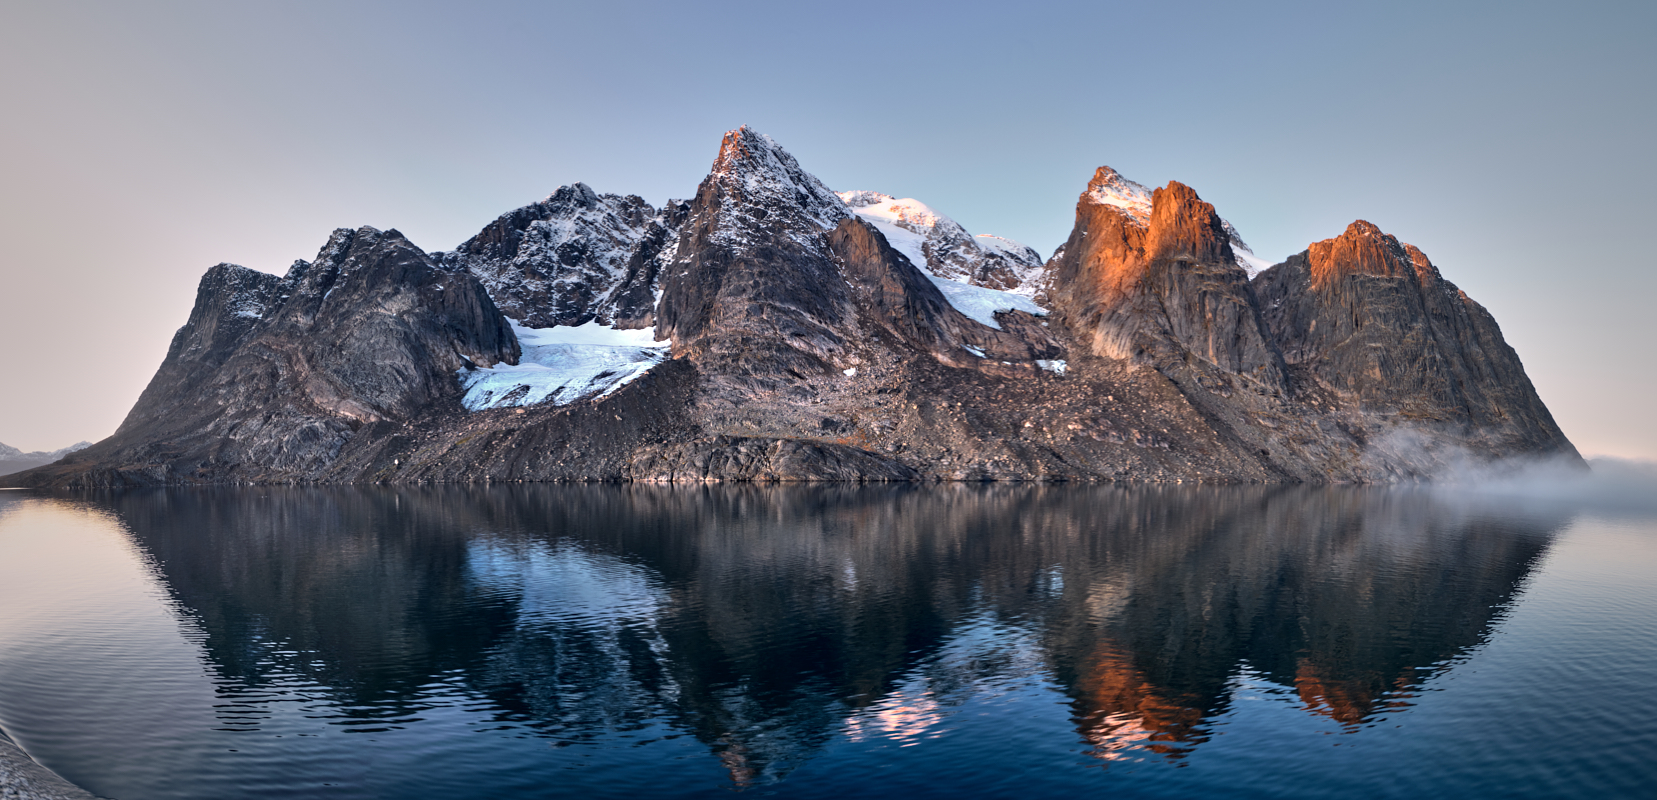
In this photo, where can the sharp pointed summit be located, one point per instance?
(755, 175)
(1109, 188)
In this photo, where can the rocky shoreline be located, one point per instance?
(23, 778)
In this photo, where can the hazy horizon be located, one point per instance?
(144, 145)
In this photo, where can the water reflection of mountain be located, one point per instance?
(768, 620)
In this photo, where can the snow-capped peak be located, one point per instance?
(578, 193)
(1109, 188)
(907, 213)
(863, 199)
(754, 168)
(978, 274)
(7, 451)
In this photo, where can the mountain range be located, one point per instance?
(15, 460)
(770, 328)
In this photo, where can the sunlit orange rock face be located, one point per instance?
(1371, 318)
(1159, 285)
(1349, 700)
(1362, 250)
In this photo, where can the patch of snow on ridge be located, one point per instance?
(976, 302)
(564, 364)
(1000, 244)
(1250, 263)
(911, 244)
(863, 199)
(981, 304)
(1109, 188)
(910, 225)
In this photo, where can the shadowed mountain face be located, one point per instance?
(802, 338)
(574, 257)
(766, 621)
(272, 377)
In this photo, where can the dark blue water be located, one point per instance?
(994, 641)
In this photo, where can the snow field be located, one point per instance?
(564, 364)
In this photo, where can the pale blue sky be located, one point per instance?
(143, 143)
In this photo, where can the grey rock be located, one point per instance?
(272, 377)
(22, 778)
(572, 258)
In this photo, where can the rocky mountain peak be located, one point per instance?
(1371, 319)
(1132, 202)
(1184, 228)
(578, 193)
(942, 248)
(1362, 250)
(1163, 288)
(1109, 188)
(753, 173)
(566, 259)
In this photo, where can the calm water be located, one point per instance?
(953, 641)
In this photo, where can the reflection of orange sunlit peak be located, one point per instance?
(1347, 701)
(734, 757)
(1120, 709)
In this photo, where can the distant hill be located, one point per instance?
(15, 460)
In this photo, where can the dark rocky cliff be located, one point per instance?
(574, 257)
(805, 346)
(272, 377)
(1372, 320)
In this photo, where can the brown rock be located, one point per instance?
(1159, 287)
(1372, 320)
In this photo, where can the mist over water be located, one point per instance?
(828, 640)
(1608, 486)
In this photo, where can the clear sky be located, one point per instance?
(141, 143)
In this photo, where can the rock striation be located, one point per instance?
(1373, 321)
(772, 329)
(574, 257)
